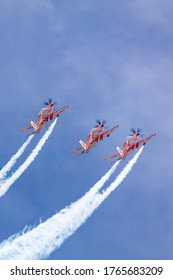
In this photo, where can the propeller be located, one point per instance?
(49, 102)
(100, 123)
(136, 131)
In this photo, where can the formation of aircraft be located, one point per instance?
(45, 115)
(95, 135)
(131, 143)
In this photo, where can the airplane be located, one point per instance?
(45, 115)
(131, 143)
(94, 136)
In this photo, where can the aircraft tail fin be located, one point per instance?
(82, 144)
(33, 125)
(119, 150)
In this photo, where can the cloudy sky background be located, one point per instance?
(105, 59)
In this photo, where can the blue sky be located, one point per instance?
(105, 59)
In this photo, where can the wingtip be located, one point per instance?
(106, 158)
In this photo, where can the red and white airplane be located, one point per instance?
(45, 115)
(132, 142)
(94, 136)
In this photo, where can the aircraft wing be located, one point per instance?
(26, 128)
(76, 149)
(58, 112)
(84, 151)
(107, 133)
(112, 156)
(144, 141)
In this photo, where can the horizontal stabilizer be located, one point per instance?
(33, 125)
(82, 144)
(119, 150)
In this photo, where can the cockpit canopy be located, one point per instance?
(42, 111)
(92, 131)
(129, 138)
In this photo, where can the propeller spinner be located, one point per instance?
(49, 102)
(136, 131)
(100, 123)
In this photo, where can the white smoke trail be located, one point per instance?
(9, 181)
(41, 241)
(91, 193)
(21, 237)
(12, 161)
